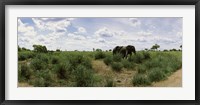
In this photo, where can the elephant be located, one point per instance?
(124, 50)
(117, 49)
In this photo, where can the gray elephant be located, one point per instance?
(124, 50)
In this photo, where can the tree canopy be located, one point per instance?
(40, 48)
(156, 46)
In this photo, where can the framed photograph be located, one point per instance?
(86, 52)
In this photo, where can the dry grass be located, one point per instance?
(24, 85)
(175, 80)
(121, 79)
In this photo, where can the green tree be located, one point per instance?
(181, 47)
(19, 49)
(40, 48)
(155, 47)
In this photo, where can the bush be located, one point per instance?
(117, 66)
(63, 70)
(142, 69)
(55, 60)
(146, 55)
(138, 58)
(83, 76)
(25, 72)
(156, 74)
(131, 58)
(43, 57)
(23, 55)
(38, 82)
(127, 64)
(37, 64)
(140, 80)
(80, 59)
(108, 60)
(100, 55)
(110, 82)
(117, 57)
(43, 78)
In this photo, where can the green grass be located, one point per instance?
(117, 66)
(74, 68)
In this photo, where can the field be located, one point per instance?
(95, 68)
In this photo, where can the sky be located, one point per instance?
(86, 33)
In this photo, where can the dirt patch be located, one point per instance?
(24, 85)
(121, 79)
(175, 80)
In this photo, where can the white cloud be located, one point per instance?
(55, 26)
(101, 40)
(81, 30)
(75, 37)
(25, 29)
(143, 33)
(134, 22)
(104, 32)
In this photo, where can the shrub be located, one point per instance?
(43, 57)
(142, 69)
(110, 82)
(117, 57)
(83, 76)
(25, 72)
(108, 60)
(55, 60)
(156, 74)
(43, 78)
(127, 64)
(80, 59)
(100, 55)
(140, 80)
(38, 82)
(117, 66)
(146, 55)
(37, 64)
(131, 58)
(63, 70)
(23, 55)
(138, 58)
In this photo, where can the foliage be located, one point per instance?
(40, 48)
(117, 66)
(156, 46)
(108, 60)
(83, 76)
(110, 82)
(25, 72)
(117, 57)
(100, 55)
(127, 64)
(37, 64)
(140, 80)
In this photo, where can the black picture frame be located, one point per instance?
(99, 2)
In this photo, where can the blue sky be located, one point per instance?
(104, 33)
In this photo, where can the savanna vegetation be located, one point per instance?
(42, 68)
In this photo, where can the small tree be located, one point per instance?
(156, 46)
(40, 48)
(98, 50)
(58, 50)
(181, 47)
(19, 49)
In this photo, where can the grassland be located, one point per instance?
(95, 68)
